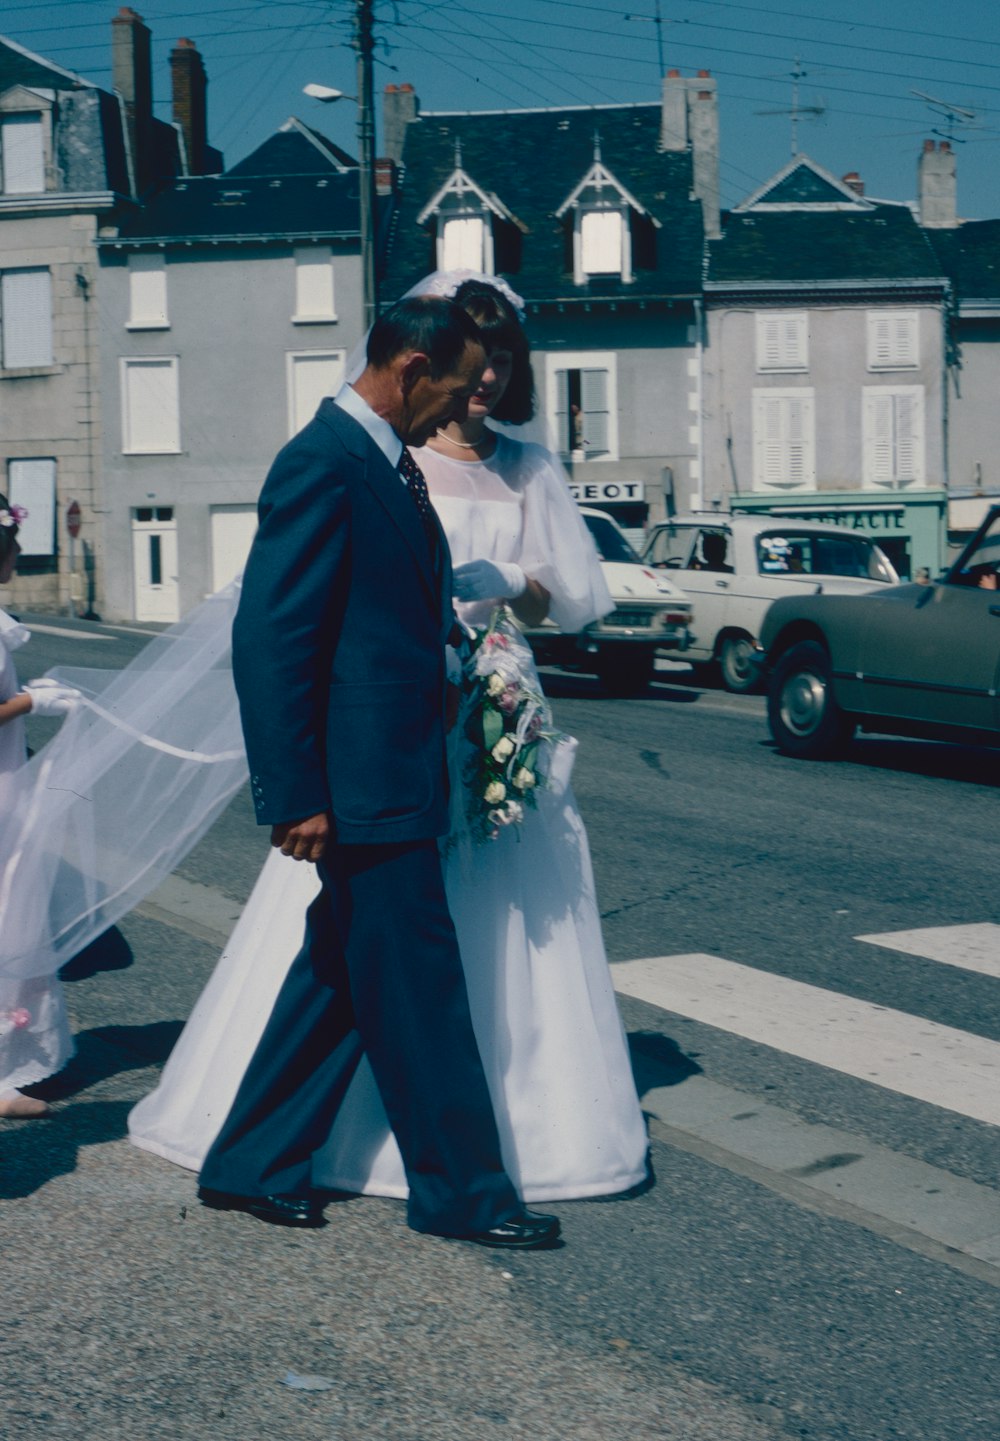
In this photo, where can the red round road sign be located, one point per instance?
(73, 518)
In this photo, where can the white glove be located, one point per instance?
(49, 698)
(489, 580)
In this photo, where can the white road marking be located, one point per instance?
(972, 948)
(37, 629)
(915, 1057)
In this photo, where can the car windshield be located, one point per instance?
(981, 566)
(789, 552)
(611, 544)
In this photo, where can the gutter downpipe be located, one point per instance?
(699, 315)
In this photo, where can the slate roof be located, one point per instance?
(768, 247)
(295, 149)
(970, 255)
(532, 160)
(241, 207)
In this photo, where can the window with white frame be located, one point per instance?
(893, 436)
(22, 154)
(314, 297)
(147, 292)
(312, 376)
(463, 244)
(893, 339)
(32, 484)
(784, 440)
(26, 318)
(782, 340)
(582, 394)
(150, 405)
(602, 242)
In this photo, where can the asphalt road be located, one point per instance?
(743, 1295)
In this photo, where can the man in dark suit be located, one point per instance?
(339, 659)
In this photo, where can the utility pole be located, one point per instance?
(364, 44)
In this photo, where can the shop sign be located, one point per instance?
(883, 521)
(584, 492)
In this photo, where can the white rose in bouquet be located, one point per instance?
(503, 749)
(494, 793)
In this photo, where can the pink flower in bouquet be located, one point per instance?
(509, 701)
(535, 726)
(20, 1018)
(494, 640)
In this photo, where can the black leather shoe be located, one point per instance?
(530, 1231)
(300, 1211)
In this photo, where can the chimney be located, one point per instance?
(689, 118)
(132, 81)
(190, 92)
(399, 106)
(854, 182)
(937, 186)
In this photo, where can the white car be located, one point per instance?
(651, 613)
(734, 566)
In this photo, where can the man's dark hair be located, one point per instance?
(438, 328)
(8, 533)
(501, 330)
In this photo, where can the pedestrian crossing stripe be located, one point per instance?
(915, 1057)
(972, 948)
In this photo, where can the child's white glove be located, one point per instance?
(49, 698)
(489, 580)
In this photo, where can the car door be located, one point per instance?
(932, 653)
(707, 589)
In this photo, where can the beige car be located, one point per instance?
(920, 660)
(734, 566)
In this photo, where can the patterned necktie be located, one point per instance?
(413, 477)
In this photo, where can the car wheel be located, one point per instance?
(625, 671)
(735, 665)
(803, 713)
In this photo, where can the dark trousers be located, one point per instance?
(379, 973)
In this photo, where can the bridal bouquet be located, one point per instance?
(507, 721)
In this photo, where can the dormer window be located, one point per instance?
(25, 140)
(474, 230)
(605, 220)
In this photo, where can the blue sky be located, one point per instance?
(862, 61)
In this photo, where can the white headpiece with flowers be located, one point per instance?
(446, 282)
(16, 515)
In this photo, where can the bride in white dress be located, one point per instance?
(524, 904)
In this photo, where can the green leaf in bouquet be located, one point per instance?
(492, 728)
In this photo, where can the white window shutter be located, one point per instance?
(151, 416)
(462, 244)
(768, 438)
(784, 439)
(32, 484)
(312, 377)
(22, 154)
(904, 338)
(893, 339)
(910, 437)
(879, 436)
(561, 414)
(314, 298)
(594, 403)
(26, 318)
(147, 288)
(601, 239)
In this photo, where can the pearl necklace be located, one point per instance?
(466, 444)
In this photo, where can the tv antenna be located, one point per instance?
(954, 116)
(796, 111)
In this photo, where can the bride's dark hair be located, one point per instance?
(8, 533)
(501, 330)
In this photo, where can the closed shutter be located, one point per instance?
(893, 339)
(561, 416)
(594, 403)
(312, 377)
(147, 289)
(601, 241)
(26, 318)
(151, 418)
(32, 484)
(22, 154)
(314, 298)
(784, 440)
(878, 437)
(893, 426)
(782, 341)
(462, 244)
(909, 437)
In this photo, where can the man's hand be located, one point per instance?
(304, 840)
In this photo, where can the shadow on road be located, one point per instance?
(939, 760)
(34, 1152)
(659, 1061)
(107, 1051)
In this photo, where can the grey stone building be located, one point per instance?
(229, 305)
(597, 217)
(825, 391)
(73, 158)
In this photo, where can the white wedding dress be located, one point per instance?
(35, 1038)
(524, 908)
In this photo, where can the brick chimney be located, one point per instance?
(689, 119)
(399, 106)
(937, 186)
(132, 81)
(190, 93)
(854, 182)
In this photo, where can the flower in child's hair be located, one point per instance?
(503, 749)
(496, 685)
(494, 793)
(20, 1018)
(524, 779)
(16, 515)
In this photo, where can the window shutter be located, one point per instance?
(767, 428)
(151, 411)
(594, 403)
(314, 297)
(147, 286)
(32, 483)
(893, 339)
(561, 416)
(880, 437)
(782, 341)
(26, 318)
(463, 244)
(312, 379)
(601, 240)
(23, 154)
(909, 437)
(904, 337)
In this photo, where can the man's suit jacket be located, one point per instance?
(339, 643)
